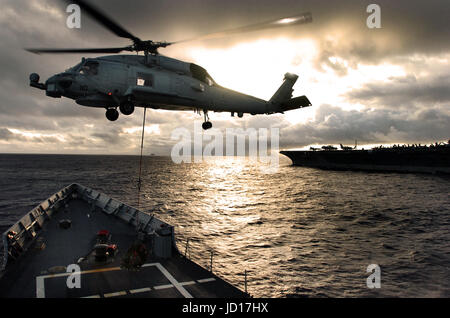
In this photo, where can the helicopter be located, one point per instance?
(155, 81)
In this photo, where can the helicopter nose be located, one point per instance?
(52, 87)
(56, 85)
(65, 83)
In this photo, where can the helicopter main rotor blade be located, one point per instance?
(66, 51)
(302, 18)
(104, 20)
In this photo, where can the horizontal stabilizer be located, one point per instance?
(294, 103)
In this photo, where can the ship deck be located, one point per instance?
(427, 160)
(41, 270)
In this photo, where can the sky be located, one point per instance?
(377, 86)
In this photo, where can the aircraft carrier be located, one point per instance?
(80, 243)
(433, 159)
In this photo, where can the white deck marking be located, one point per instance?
(163, 286)
(99, 270)
(147, 289)
(206, 280)
(40, 284)
(140, 290)
(40, 287)
(119, 293)
(149, 264)
(175, 283)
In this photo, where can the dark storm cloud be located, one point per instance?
(28, 24)
(405, 91)
(111, 138)
(335, 125)
(324, 59)
(421, 22)
(407, 26)
(67, 108)
(7, 135)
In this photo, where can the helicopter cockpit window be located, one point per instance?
(89, 68)
(143, 79)
(209, 81)
(201, 74)
(74, 68)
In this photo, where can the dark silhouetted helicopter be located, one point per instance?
(159, 82)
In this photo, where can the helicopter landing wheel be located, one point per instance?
(126, 108)
(207, 125)
(112, 114)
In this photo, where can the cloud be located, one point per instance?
(6, 134)
(334, 125)
(111, 137)
(414, 37)
(408, 91)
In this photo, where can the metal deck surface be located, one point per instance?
(32, 275)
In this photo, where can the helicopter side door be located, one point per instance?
(141, 83)
(162, 83)
(114, 76)
(149, 86)
(177, 85)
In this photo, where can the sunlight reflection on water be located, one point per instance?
(298, 232)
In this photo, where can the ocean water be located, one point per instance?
(300, 232)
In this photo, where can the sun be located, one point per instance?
(257, 67)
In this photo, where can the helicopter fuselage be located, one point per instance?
(158, 82)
